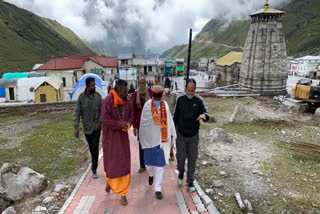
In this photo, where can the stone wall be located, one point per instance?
(264, 62)
(25, 109)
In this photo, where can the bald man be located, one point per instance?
(157, 134)
(139, 98)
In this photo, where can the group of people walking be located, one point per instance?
(161, 121)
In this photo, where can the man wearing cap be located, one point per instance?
(190, 109)
(142, 95)
(157, 134)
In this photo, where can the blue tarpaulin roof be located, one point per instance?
(82, 82)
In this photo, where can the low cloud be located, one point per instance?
(156, 24)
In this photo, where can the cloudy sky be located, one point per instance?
(160, 24)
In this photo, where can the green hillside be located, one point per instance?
(301, 27)
(27, 39)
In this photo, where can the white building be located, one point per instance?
(203, 64)
(307, 64)
(146, 65)
(128, 74)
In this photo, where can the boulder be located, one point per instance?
(217, 184)
(17, 182)
(317, 112)
(9, 210)
(40, 210)
(219, 135)
(60, 188)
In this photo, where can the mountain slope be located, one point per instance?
(27, 39)
(301, 26)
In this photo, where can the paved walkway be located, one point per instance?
(90, 197)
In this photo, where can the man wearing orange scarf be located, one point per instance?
(157, 134)
(116, 117)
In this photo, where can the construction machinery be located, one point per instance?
(307, 91)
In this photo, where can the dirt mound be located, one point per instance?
(244, 113)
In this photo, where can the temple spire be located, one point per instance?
(267, 4)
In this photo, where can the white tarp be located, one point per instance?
(26, 87)
(81, 89)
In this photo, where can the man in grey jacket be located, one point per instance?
(88, 107)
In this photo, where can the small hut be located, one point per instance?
(50, 90)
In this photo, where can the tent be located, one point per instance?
(81, 85)
(11, 76)
(26, 87)
(11, 86)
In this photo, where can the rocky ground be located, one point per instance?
(62, 164)
(268, 153)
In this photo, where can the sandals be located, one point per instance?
(107, 189)
(123, 201)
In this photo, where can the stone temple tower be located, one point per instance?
(264, 62)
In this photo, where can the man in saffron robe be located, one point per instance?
(116, 117)
(157, 134)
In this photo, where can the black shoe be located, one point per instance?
(159, 195)
(150, 180)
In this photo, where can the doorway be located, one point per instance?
(11, 93)
(43, 98)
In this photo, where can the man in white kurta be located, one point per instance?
(157, 134)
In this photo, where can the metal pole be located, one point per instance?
(189, 54)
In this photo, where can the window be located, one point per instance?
(149, 68)
(64, 81)
(124, 62)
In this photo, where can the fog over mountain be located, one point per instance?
(146, 26)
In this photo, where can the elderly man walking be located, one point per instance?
(142, 95)
(157, 134)
(190, 109)
(88, 107)
(116, 116)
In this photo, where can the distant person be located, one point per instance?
(157, 135)
(88, 108)
(175, 83)
(131, 90)
(140, 97)
(189, 110)
(219, 80)
(171, 99)
(116, 116)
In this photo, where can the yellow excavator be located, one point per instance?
(307, 91)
